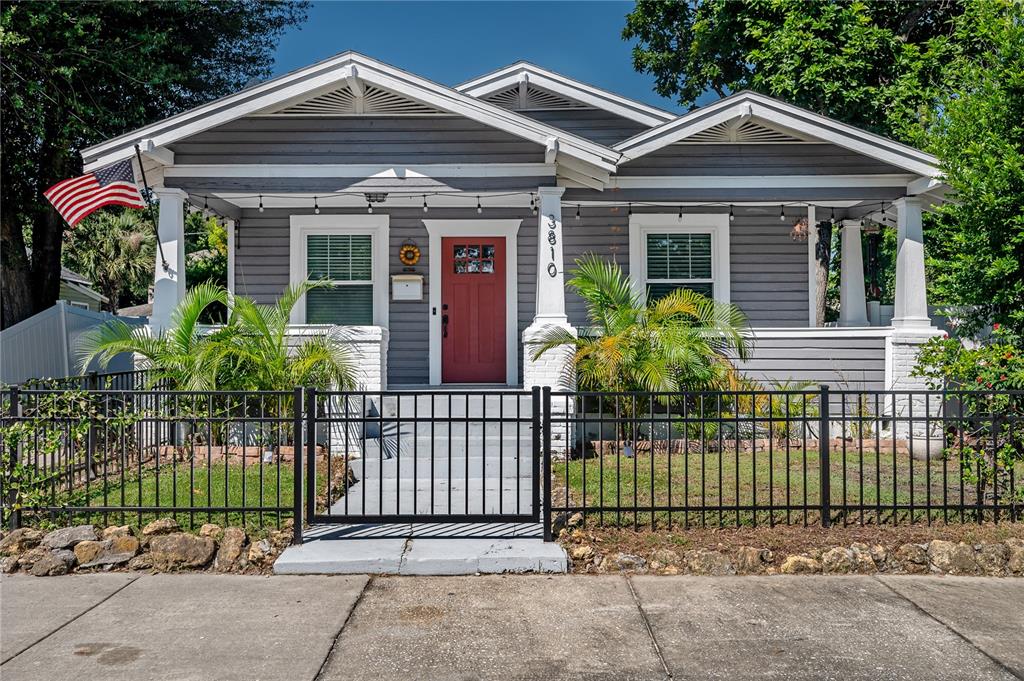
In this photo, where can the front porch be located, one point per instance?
(403, 337)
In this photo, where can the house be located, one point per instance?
(447, 217)
(77, 291)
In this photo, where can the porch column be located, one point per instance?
(853, 309)
(169, 281)
(555, 367)
(911, 298)
(911, 328)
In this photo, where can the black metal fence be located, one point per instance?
(654, 460)
(130, 456)
(815, 456)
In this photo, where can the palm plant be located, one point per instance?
(115, 250)
(250, 352)
(681, 341)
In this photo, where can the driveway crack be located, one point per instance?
(334, 642)
(950, 628)
(650, 630)
(76, 617)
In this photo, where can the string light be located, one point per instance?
(425, 207)
(833, 219)
(316, 206)
(206, 205)
(629, 211)
(732, 216)
(680, 216)
(782, 212)
(533, 205)
(577, 211)
(261, 203)
(479, 208)
(369, 206)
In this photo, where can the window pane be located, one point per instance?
(339, 257)
(657, 291)
(679, 256)
(340, 305)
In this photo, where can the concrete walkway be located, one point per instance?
(212, 627)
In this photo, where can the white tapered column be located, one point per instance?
(911, 297)
(169, 280)
(550, 266)
(853, 307)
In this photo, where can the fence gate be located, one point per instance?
(422, 457)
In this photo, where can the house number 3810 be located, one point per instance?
(552, 241)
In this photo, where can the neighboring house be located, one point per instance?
(77, 291)
(502, 182)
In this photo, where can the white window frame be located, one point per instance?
(509, 229)
(377, 226)
(715, 224)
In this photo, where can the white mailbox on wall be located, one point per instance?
(407, 287)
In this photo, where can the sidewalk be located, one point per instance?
(206, 627)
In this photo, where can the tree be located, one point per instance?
(876, 65)
(74, 74)
(116, 250)
(681, 341)
(976, 244)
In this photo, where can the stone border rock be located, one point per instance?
(162, 546)
(1000, 559)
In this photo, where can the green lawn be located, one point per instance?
(173, 489)
(745, 480)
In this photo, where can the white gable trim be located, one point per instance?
(322, 77)
(774, 113)
(503, 79)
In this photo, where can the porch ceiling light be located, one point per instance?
(376, 197)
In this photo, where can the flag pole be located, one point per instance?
(149, 202)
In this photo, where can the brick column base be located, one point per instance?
(554, 369)
(910, 423)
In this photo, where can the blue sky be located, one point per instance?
(451, 42)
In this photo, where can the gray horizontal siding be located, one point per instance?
(405, 140)
(768, 268)
(841, 361)
(755, 159)
(597, 125)
(262, 261)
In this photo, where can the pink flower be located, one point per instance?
(979, 379)
(995, 327)
(945, 335)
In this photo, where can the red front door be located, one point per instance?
(473, 310)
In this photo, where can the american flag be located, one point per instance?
(113, 185)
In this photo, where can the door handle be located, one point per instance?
(444, 326)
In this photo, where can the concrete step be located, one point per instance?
(423, 556)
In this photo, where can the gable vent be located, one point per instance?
(535, 99)
(747, 131)
(343, 102)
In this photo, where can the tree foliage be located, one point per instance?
(976, 244)
(116, 251)
(873, 64)
(74, 74)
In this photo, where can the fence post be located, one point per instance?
(15, 456)
(546, 472)
(298, 414)
(310, 409)
(91, 385)
(825, 480)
